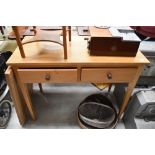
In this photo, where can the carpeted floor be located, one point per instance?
(58, 107)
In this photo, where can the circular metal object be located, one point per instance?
(97, 111)
(96, 114)
(83, 125)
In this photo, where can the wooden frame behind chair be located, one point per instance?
(64, 44)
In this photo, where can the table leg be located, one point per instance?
(26, 94)
(129, 90)
(27, 98)
(15, 95)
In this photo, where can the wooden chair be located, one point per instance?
(41, 35)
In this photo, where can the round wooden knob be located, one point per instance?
(47, 77)
(109, 76)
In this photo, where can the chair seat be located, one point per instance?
(42, 35)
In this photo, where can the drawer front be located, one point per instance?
(48, 75)
(108, 75)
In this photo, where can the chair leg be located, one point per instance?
(34, 29)
(70, 31)
(65, 42)
(109, 89)
(19, 43)
(41, 88)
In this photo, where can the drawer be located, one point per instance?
(108, 75)
(48, 75)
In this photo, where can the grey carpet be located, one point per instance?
(57, 109)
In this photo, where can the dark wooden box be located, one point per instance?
(112, 46)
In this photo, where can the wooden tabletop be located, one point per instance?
(41, 54)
